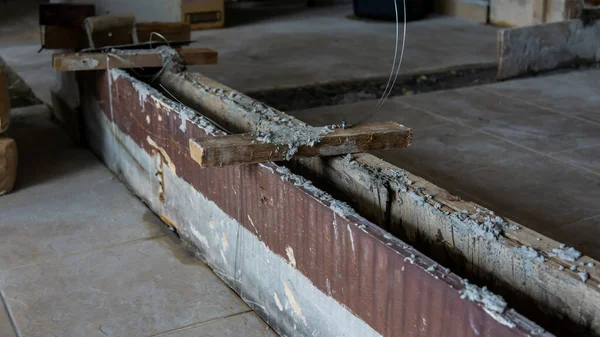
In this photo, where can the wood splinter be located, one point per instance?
(247, 149)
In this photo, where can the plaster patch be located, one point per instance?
(277, 302)
(163, 153)
(290, 254)
(293, 303)
(199, 236)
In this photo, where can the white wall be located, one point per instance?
(144, 10)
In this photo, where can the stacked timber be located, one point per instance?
(8, 147)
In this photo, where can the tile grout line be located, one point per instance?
(508, 141)
(9, 313)
(516, 99)
(83, 252)
(199, 324)
(580, 220)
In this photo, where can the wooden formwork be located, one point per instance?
(375, 284)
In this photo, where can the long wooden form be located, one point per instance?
(305, 261)
(513, 260)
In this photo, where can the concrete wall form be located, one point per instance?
(276, 240)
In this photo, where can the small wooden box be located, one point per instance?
(203, 14)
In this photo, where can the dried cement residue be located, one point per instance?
(271, 125)
(292, 136)
(584, 276)
(566, 254)
(528, 253)
(493, 304)
(339, 207)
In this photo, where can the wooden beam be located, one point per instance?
(136, 59)
(4, 102)
(109, 30)
(8, 164)
(248, 148)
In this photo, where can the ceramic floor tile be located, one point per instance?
(450, 149)
(470, 106)
(544, 131)
(540, 191)
(60, 224)
(138, 289)
(584, 235)
(588, 158)
(246, 324)
(392, 110)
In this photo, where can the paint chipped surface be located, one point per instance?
(277, 302)
(290, 254)
(293, 303)
(164, 154)
(351, 238)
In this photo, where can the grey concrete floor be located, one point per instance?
(528, 149)
(326, 45)
(82, 256)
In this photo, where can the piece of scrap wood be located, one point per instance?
(8, 164)
(141, 59)
(248, 149)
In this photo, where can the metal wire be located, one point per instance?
(393, 78)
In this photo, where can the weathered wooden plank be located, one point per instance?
(545, 47)
(4, 102)
(422, 212)
(109, 30)
(8, 164)
(129, 59)
(252, 148)
(325, 247)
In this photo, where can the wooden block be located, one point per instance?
(8, 164)
(172, 31)
(109, 30)
(133, 59)
(196, 56)
(247, 149)
(471, 10)
(4, 102)
(60, 37)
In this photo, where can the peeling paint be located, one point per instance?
(290, 254)
(163, 153)
(351, 239)
(277, 302)
(293, 303)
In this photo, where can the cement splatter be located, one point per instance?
(529, 253)
(566, 254)
(351, 238)
(493, 304)
(293, 303)
(584, 276)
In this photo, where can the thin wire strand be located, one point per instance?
(391, 83)
(382, 98)
(403, 46)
